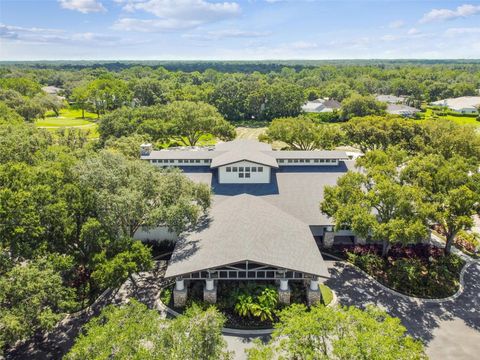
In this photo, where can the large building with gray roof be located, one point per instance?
(264, 223)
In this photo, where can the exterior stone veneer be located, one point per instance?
(328, 238)
(313, 296)
(359, 241)
(179, 298)
(210, 296)
(284, 296)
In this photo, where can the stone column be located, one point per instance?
(210, 291)
(313, 292)
(179, 293)
(284, 292)
(328, 238)
(359, 240)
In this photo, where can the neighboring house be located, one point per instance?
(462, 105)
(53, 90)
(391, 99)
(402, 110)
(264, 222)
(321, 105)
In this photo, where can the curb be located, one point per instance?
(459, 292)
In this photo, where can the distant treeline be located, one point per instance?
(262, 66)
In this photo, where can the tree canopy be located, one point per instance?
(133, 331)
(338, 333)
(302, 133)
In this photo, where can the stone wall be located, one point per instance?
(313, 296)
(284, 296)
(328, 239)
(179, 298)
(210, 296)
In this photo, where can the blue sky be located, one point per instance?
(250, 29)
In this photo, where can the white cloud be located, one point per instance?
(413, 31)
(452, 32)
(227, 33)
(447, 14)
(25, 35)
(175, 14)
(397, 24)
(83, 6)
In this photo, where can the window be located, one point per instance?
(229, 169)
(322, 161)
(290, 160)
(171, 161)
(254, 169)
(197, 161)
(247, 169)
(234, 169)
(192, 161)
(307, 161)
(280, 161)
(247, 175)
(301, 160)
(328, 160)
(240, 175)
(295, 161)
(260, 169)
(180, 161)
(240, 168)
(316, 160)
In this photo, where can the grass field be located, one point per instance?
(69, 118)
(461, 120)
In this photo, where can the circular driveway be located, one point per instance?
(450, 329)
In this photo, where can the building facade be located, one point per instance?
(265, 221)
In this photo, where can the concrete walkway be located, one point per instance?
(450, 329)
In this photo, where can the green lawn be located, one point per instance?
(327, 295)
(62, 122)
(69, 118)
(72, 114)
(461, 120)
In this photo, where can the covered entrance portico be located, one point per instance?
(247, 271)
(247, 239)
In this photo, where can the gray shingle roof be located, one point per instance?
(314, 154)
(246, 227)
(295, 190)
(238, 150)
(233, 156)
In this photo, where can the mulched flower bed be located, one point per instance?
(226, 304)
(420, 270)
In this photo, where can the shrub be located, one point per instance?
(406, 274)
(166, 296)
(468, 241)
(257, 301)
(369, 262)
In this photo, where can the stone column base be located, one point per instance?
(179, 298)
(328, 238)
(359, 241)
(284, 296)
(210, 296)
(313, 296)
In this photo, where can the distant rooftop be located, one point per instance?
(464, 102)
(400, 109)
(391, 99)
(321, 105)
